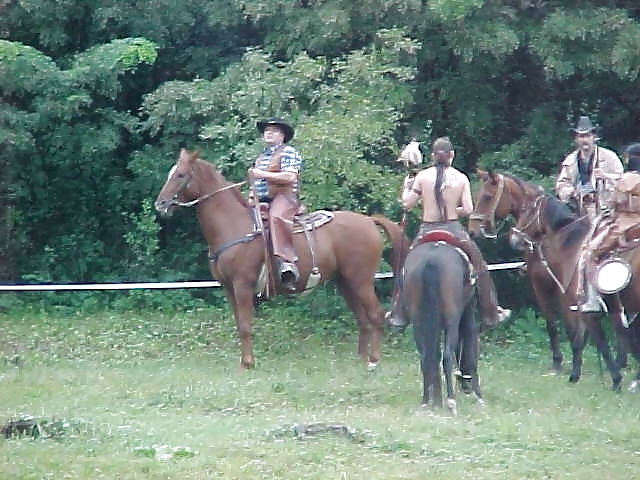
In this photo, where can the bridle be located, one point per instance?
(535, 217)
(490, 216)
(174, 200)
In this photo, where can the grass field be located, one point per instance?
(159, 396)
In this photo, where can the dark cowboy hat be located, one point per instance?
(583, 126)
(633, 150)
(277, 122)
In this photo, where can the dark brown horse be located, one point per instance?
(348, 248)
(438, 298)
(556, 234)
(501, 195)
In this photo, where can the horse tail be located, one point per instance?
(399, 241)
(432, 308)
(427, 319)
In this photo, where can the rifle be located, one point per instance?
(599, 183)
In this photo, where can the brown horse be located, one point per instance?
(348, 248)
(501, 195)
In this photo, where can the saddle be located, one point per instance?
(439, 236)
(302, 221)
(445, 236)
(619, 231)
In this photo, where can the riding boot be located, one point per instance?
(395, 317)
(282, 211)
(491, 314)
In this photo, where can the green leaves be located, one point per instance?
(588, 40)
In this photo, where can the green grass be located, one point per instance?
(159, 396)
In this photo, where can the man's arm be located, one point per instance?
(411, 192)
(565, 187)
(290, 165)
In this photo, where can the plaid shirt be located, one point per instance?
(290, 161)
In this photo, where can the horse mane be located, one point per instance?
(524, 186)
(559, 216)
(218, 177)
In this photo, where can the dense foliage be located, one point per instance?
(97, 98)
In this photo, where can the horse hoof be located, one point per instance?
(451, 406)
(371, 366)
(633, 386)
(574, 378)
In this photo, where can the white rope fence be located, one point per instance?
(170, 285)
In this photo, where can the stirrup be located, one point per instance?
(594, 304)
(394, 320)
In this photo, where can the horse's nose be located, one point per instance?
(162, 205)
(159, 204)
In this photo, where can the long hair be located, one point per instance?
(441, 151)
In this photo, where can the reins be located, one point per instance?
(208, 195)
(536, 247)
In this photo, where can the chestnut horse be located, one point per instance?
(438, 298)
(348, 248)
(501, 195)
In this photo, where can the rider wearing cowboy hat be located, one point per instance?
(276, 173)
(588, 176)
(584, 168)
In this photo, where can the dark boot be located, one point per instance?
(491, 314)
(289, 275)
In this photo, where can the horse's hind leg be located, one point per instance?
(594, 327)
(449, 363)
(470, 352)
(364, 304)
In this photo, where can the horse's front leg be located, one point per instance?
(549, 311)
(577, 334)
(242, 302)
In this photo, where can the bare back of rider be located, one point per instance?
(455, 202)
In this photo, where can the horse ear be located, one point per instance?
(482, 174)
(194, 155)
(493, 177)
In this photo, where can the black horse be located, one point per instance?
(438, 296)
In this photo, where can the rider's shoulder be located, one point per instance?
(288, 149)
(607, 152)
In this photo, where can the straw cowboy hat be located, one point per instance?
(277, 122)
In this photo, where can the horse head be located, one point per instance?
(547, 216)
(180, 186)
(499, 196)
(529, 227)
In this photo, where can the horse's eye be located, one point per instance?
(180, 175)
